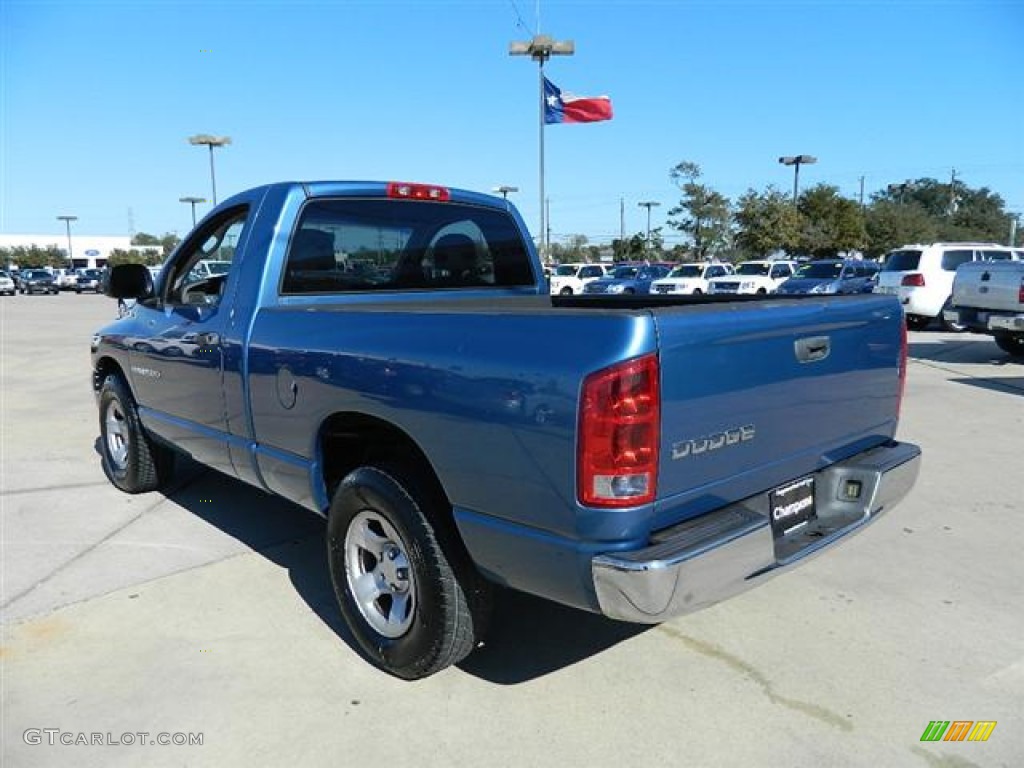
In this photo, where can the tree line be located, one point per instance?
(38, 257)
(821, 223)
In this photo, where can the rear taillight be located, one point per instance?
(915, 279)
(1020, 293)
(418, 191)
(903, 368)
(620, 417)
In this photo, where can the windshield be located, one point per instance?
(624, 273)
(752, 268)
(566, 270)
(821, 270)
(685, 270)
(901, 261)
(38, 274)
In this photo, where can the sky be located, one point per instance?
(98, 99)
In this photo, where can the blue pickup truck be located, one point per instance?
(380, 354)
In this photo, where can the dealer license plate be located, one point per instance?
(792, 506)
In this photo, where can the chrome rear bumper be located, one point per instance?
(730, 550)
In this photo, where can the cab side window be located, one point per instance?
(200, 270)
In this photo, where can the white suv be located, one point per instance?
(922, 277)
(754, 277)
(570, 278)
(690, 278)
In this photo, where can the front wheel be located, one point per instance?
(410, 596)
(567, 291)
(1013, 345)
(131, 460)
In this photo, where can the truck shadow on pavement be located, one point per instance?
(529, 637)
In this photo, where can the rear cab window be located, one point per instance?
(359, 245)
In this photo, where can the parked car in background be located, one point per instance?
(38, 281)
(89, 280)
(570, 278)
(65, 279)
(690, 278)
(921, 276)
(832, 276)
(635, 278)
(754, 277)
(7, 287)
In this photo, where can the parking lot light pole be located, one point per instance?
(211, 142)
(67, 222)
(503, 190)
(648, 204)
(796, 161)
(540, 48)
(193, 201)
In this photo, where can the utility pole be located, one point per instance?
(541, 48)
(648, 204)
(861, 191)
(952, 193)
(547, 219)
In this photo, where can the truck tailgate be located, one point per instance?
(992, 285)
(757, 394)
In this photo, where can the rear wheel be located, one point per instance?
(946, 324)
(131, 460)
(1011, 344)
(917, 322)
(408, 592)
(567, 291)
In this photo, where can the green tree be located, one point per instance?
(33, 256)
(703, 213)
(148, 257)
(766, 222)
(144, 238)
(831, 223)
(891, 224)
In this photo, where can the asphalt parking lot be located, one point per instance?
(208, 611)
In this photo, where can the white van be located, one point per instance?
(922, 277)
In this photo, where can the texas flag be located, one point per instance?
(573, 109)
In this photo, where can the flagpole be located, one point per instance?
(543, 222)
(540, 49)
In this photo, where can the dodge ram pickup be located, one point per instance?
(988, 297)
(379, 354)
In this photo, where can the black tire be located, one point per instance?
(567, 291)
(1011, 344)
(628, 291)
(946, 325)
(132, 461)
(697, 291)
(918, 322)
(762, 291)
(424, 607)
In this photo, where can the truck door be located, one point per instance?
(177, 363)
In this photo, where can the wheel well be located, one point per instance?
(105, 367)
(351, 440)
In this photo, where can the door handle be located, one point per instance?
(813, 349)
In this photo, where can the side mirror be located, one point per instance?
(129, 281)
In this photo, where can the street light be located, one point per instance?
(648, 204)
(540, 48)
(503, 190)
(796, 161)
(192, 200)
(67, 222)
(211, 142)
